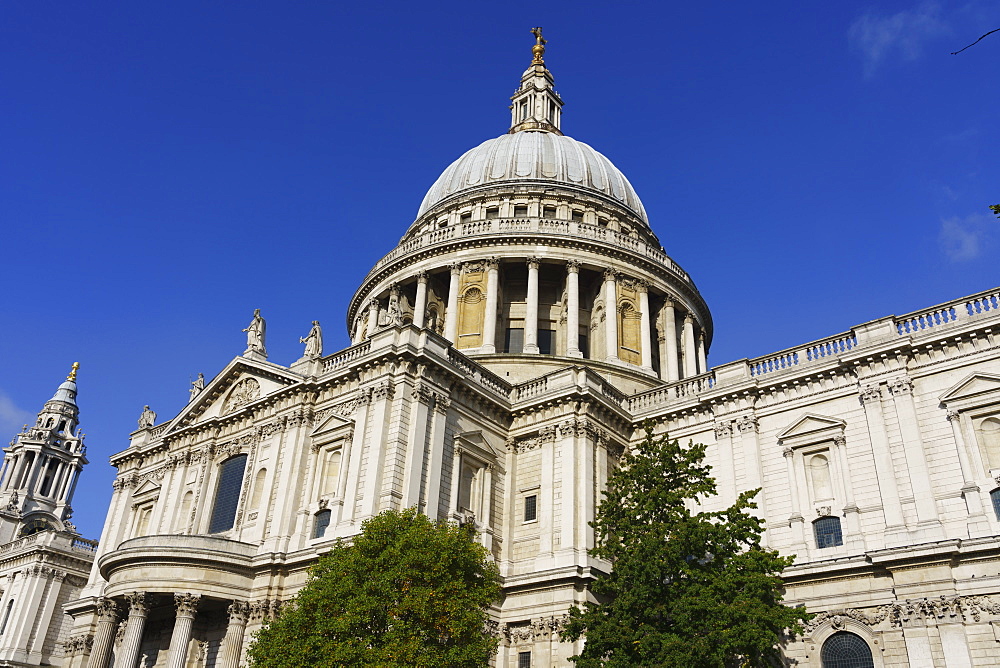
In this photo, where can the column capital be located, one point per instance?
(373, 303)
(456, 268)
(642, 285)
(238, 611)
(723, 430)
(610, 275)
(492, 263)
(533, 262)
(572, 266)
(953, 415)
(901, 385)
(186, 604)
(840, 440)
(870, 393)
(107, 609)
(421, 277)
(688, 318)
(394, 289)
(137, 603)
(787, 452)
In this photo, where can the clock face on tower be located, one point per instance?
(36, 525)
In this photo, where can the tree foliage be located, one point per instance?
(688, 589)
(407, 592)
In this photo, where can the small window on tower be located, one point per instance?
(521, 211)
(492, 212)
(577, 216)
(466, 218)
(549, 212)
(530, 508)
(524, 660)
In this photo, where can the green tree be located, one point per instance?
(687, 589)
(406, 592)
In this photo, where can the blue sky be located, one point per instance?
(165, 168)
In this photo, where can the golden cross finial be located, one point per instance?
(538, 50)
(72, 374)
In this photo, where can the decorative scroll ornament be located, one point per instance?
(723, 430)
(900, 386)
(246, 391)
(870, 393)
(536, 629)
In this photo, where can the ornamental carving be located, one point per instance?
(924, 611)
(536, 629)
(900, 386)
(238, 612)
(572, 266)
(186, 604)
(953, 415)
(747, 424)
(137, 603)
(245, 391)
(107, 609)
(260, 611)
(78, 644)
(870, 393)
(723, 430)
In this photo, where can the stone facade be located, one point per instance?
(504, 356)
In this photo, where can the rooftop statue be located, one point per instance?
(255, 334)
(313, 341)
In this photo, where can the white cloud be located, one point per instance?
(965, 239)
(903, 34)
(12, 417)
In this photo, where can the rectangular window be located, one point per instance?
(524, 660)
(585, 346)
(530, 508)
(549, 212)
(577, 216)
(546, 341)
(492, 213)
(520, 211)
(465, 218)
(514, 340)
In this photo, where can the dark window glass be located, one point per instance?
(6, 616)
(846, 650)
(546, 341)
(995, 496)
(227, 494)
(578, 216)
(549, 212)
(492, 213)
(322, 522)
(520, 212)
(524, 660)
(828, 533)
(530, 508)
(585, 346)
(513, 341)
(465, 218)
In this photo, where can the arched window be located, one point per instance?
(321, 522)
(828, 533)
(995, 497)
(6, 616)
(227, 494)
(819, 472)
(258, 488)
(989, 436)
(846, 650)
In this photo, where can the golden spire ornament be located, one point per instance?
(72, 373)
(538, 50)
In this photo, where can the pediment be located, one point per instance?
(976, 385)
(478, 444)
(811, 424)
(242, 383)
(331, 425)
(147, 489)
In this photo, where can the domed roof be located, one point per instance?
(534, 156)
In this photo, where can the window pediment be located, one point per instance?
(811, 428)
(975, 389)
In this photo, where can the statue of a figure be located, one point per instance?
(148, 418)
(255, 333)
(14, 503)
(197, 386)
(313, 341)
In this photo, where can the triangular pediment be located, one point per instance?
(242, 383)
(975, 385)
(331, 424)
(809, 424)
(476, 441)
(147, 488)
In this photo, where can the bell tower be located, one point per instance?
(41, 466)
(536, 106)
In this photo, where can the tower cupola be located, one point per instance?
(536, 106)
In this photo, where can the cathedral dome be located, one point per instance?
(533, 157)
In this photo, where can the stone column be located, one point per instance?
(573, 309)
(610, 316)
(372, 316)
(568, 520)
(854, 538)
(901, 390)
(753, 478)
(232, 643)
(10, 471)
(796, 522)
(420, 304)
(490, 314)
(104, 636)
(645, 338)
(668, 367)
(128, 652)
(725, 473)
(379, 415)
(436, 458)
(451, 315)
(351, 459)
(970, 490)
(546, 495)
(702, 357)
(187, 607)
(416, 447)
(690, 364)
(871, 398)
(531, 309)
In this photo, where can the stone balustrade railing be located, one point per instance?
(936, 318)
(346, 356)
(504, 226)
(50, 538)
